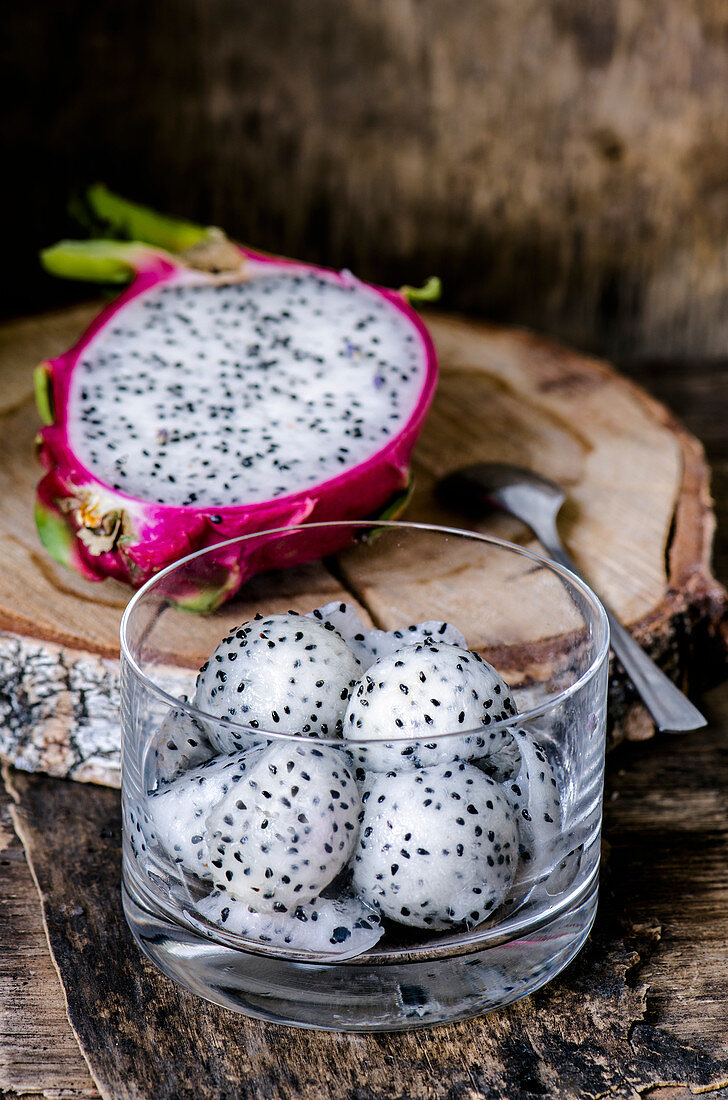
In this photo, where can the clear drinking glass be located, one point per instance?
(546, 634)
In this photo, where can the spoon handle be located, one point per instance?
(668, 706)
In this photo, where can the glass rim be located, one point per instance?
(403, 525)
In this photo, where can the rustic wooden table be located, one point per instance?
(642, 1012)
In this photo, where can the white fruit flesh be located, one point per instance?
(428, 691)
(369, 645)
(283, 673)
(437, 847)
(442, 843)
(180, 743)
(220, 395)
(533, 793)
(177, 811)
(335, 929)
(287, 829)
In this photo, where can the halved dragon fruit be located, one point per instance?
(206, 404)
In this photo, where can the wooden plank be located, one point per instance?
(674, 804)
(644, 1005)
(39, 1055)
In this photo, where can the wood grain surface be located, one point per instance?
(616, 1023)
(560, 163)
(655, 975)
(638, 521)
(38, 1050)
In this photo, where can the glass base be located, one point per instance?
(357, 995)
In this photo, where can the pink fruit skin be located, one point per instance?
(155, 535)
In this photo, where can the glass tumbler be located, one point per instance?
(428, 854)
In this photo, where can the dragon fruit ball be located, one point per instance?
(535, 798)
(369, 645)
(287, 828)
(438, 847)
(283, 673)
(425, 692)
(329, 929)
(177, 810)
(181, 742)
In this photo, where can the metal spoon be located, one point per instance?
(536, 502)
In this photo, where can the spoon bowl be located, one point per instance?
(536, 501)
(533, 499)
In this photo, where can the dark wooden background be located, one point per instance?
(560, 163)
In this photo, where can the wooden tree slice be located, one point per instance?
(638, 522)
